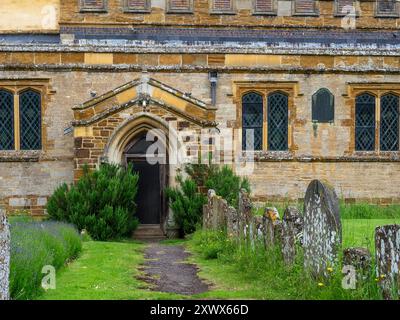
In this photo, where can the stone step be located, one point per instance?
(149, 232)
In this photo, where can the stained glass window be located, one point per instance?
(365, 122)
(278, 120)
(252, 121)
(389, 131)
(6, 120)
(323, 106)
(30, 120)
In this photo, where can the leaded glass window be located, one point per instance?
(30, 120)
(278, 121)
(365, 122)
(6, 120)
(252, 121)
(389, 131)
(323, 106)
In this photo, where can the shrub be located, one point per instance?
(227, 184)
(35, 245)
(187, 204)
(101, 202)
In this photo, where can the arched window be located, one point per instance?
(323, 109)
(365, 122)
(389, 131)
(6, 120)
(252, 121)
(30, 120)
(278, 120)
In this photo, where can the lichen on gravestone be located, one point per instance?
(291, 222)
(387, 249)
(322, 235)
(4, 256)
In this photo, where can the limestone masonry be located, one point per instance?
(79, 80)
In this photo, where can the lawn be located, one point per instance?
(247, 280)
(108, 270)
(104, 271)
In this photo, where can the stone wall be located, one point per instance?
(244, 15)
(29, 15)
(328, 154)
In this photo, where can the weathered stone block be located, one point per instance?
(322, 228)
(292, 225)
(359, 258)
(4, 256)
(387, 246)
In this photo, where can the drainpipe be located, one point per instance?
(213, 77)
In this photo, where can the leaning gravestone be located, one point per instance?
(290, 229)
(387, 246)
(4, 256)
(322, 228)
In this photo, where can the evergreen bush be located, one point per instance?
(187, 204)
(102, 202)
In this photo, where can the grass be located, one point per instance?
(109, 270)
(243, 274)
(105, 271)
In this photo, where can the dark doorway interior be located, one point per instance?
(153, 179)
(148, 197)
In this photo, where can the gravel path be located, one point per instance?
(166, 270)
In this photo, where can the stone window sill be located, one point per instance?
(21, 156)
(259, 13)
(213, 12)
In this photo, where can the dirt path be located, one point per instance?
(166, 270)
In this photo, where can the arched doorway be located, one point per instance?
(153, 177)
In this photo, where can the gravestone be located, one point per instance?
(387, 246)
(271, 226)
(322, 228)
(245, 214)
(290, 229)
(359, 258)
(4, 256)
(232, 223)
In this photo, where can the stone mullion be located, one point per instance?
(378, 121)
(17, 135)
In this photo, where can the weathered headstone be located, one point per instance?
(322, 228)
(245, 214)
(359, 258)
(387, 246)
(232, 223)
(207, 210)
(290, 230)
(4, 256)
(270, 220)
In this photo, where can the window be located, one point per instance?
(304, 7)
(30, 120)
(389, 130)
(365, 122)
(345, 7)
(267, 7)
(386, 8)
(222, 6)
(6, 120)
(93, 5)
(278, 114)
(177, 6)
(137, 5)
(323, 106)
(252, 121)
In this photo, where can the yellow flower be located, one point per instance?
(320, 284)
(330, 269)
(376, 279)
(383, 276)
